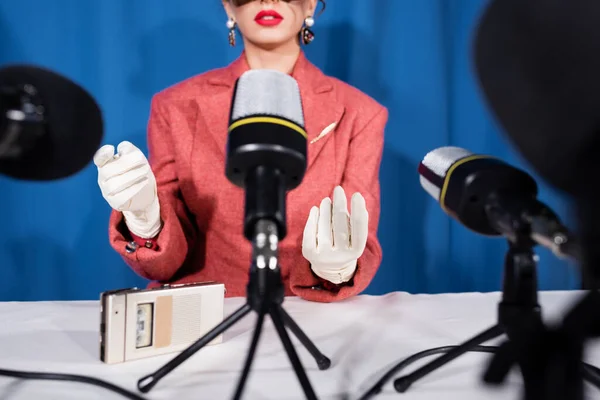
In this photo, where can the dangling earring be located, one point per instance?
(307, 35)
(231, 26)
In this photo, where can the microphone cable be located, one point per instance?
(51, 376)
(376, 388)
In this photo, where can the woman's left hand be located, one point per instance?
(334, 239)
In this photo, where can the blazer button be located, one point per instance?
(131, 247)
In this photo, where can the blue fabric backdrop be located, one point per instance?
(412, 56)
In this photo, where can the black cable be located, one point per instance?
(49, 376)
(591, 371)
(378, 386)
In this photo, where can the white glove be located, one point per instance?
(128, 185)
(333, 240)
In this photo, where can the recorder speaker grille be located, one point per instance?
(186, 318)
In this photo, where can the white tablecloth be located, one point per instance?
(362, 336)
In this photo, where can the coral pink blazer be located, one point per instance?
(202, 212)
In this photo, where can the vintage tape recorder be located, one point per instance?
(139, 323)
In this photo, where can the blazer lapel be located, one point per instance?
(216, 103)
(321, 109)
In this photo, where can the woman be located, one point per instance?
(177, 219)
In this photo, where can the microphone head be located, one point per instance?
(266, 128)
(463, 183)
(537, 62)
(435, 165)
(70, 125)
(261, 93)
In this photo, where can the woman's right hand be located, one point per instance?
(128, 185)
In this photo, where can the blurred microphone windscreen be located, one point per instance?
(73, 126)
(537, 62)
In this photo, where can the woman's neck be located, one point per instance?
(282, 58)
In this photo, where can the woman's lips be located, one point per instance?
(268, 18)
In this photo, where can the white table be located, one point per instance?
(362, 336)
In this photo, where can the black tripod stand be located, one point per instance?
(519, 317)
(265, 294)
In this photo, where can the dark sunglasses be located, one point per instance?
(238, 3)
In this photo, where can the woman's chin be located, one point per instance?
(271, 40)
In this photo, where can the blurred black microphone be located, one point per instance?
(493, 198)
(50, 128)
(537, 62)
(266, 146)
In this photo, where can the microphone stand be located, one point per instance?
(552, 356)
(265, 295)
(519, 317)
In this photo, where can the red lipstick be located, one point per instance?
(268, 18)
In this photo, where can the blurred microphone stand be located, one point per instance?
(541, 353)
(551, 357)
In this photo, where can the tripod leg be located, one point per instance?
(591, 373)
(278, 321)
(322, 361)
(146, 383)
(250, 356)
(403, 383)
(500, 364)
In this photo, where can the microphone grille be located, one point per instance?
(441, 159)
(430, 187)
(435, 166)
(263, 92)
